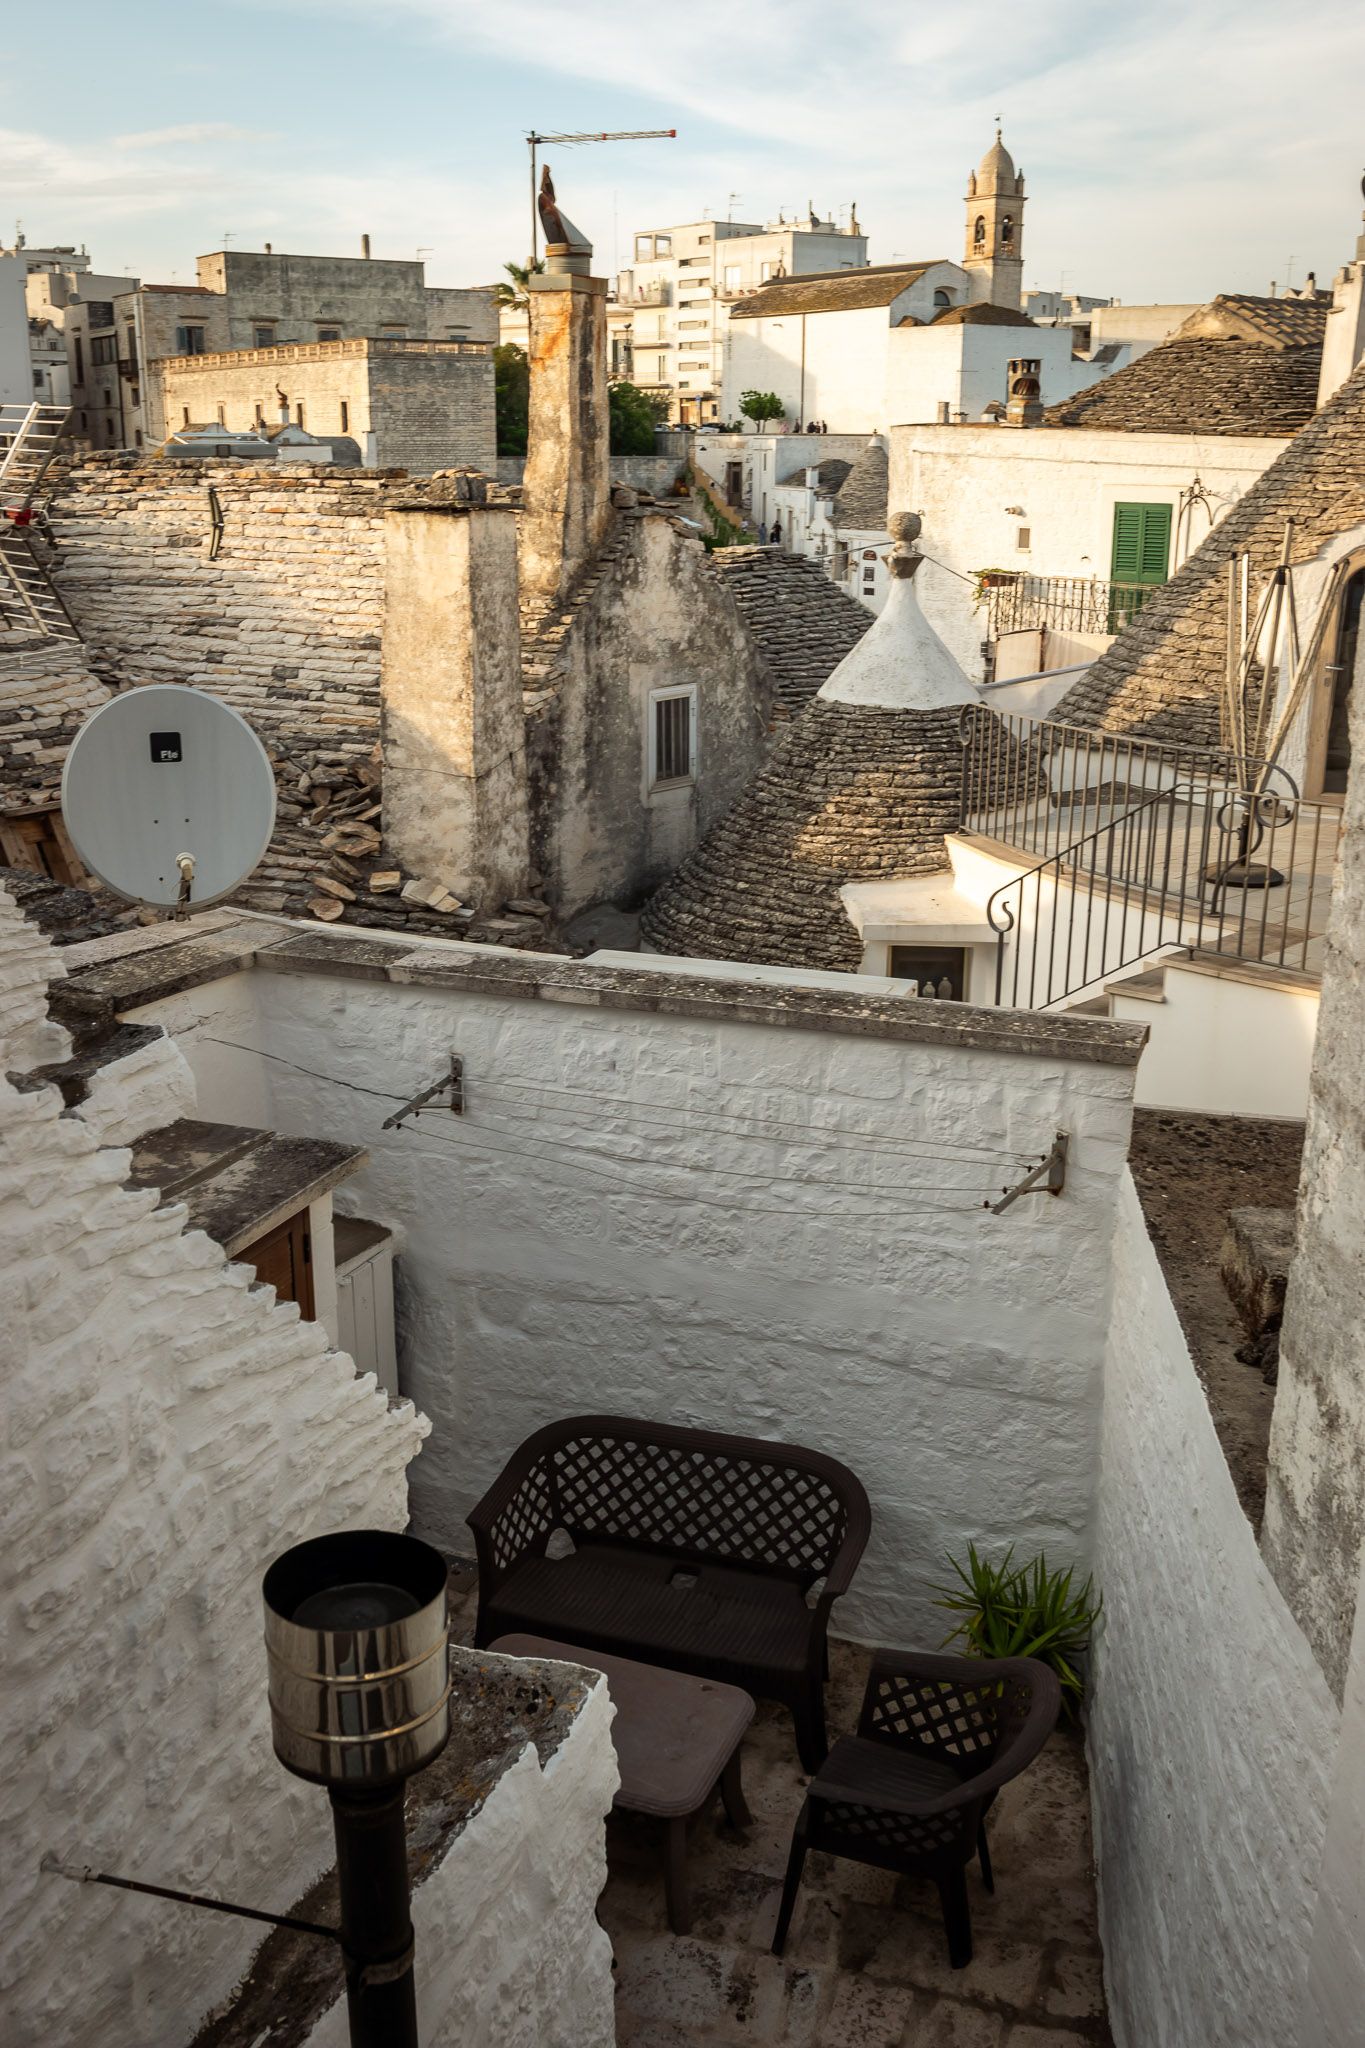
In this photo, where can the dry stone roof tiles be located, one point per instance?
(47, 691)
(848, 794)
(981, 314)
(1279, 323)
(833, 291)
(801, 624)
(1163, 676)
(860, 506)
(1201, 385)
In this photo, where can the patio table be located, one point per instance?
(677, 1743)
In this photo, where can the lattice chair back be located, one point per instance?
(702, 1502)
(966, 1713)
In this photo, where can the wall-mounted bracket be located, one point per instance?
(215, 524)
(1047, 1178)
(453, 1083)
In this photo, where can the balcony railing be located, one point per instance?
(658, 294)
(1075, 604)
(1138, 846)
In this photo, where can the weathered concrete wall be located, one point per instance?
(566, 502)
(417, 405)
(1314, 1533)
(1212, 1732)
(531, 1967)
(454, 728)
(169, 1429)
(771, 1226)
(656, 617)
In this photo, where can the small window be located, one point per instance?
(644, 248)
(189, 340)
(37, 380)
(184, 415)
(258, 414)
(137, 437)
(663, 245)
(80, 362)
(939, 972)
(345, 417)
(394, 330)
(263, 334)
(733, 274)
(662, 371)
(942, 300)
(329, 334)
(672, 737)
(1024, 539)
(1007, 231)
(298, 413)
(979, 232)
(222, 414)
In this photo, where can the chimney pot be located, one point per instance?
(365, 246)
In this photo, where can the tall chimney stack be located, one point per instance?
(566, 490)
(365, 247)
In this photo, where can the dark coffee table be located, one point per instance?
(677, 1744)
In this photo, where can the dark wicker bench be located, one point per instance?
(692, 1550)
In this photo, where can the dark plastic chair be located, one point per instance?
(937, 1738)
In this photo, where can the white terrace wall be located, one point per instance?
(732, 1207)
(168, 1430)
(1213, 1733)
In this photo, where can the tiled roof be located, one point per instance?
(860, 506)
(981, 315)
(831, 472)
(836, 291)
(1200, 385)
(802, 624)
(1163, 676)
(1279, 323)
(47, 691)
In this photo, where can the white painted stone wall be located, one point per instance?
(1212, 1730)
(509, 1950)
(169, 1429)
(1225, 1043)
(1336, 1965)
(1066, 482)
(769, 1230)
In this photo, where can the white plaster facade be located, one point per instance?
(169, 1429)
(684, 282)
(1213, 1734)
(740, 1225)
(977, 488)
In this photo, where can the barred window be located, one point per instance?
(672, 736)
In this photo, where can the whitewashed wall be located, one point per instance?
(729, 1224)
(1336, 1966)
(1212, 1730)
(1067, 481)
(168, 1430)
(509, 1950)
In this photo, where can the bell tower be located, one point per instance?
(994, 257)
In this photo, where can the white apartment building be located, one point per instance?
(37, 287)
(684, 281)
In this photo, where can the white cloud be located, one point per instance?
(190, 131)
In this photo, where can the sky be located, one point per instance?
(1172, 148)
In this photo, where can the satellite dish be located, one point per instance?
(169, 797)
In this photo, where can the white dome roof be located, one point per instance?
(901, 665)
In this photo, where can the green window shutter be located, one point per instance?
(1142, 544)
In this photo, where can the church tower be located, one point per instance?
(994, 259)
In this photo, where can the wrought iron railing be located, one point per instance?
(1064, 604)
(1144, 846)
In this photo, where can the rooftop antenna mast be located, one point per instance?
(533, 142)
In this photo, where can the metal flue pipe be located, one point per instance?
(357, 1635)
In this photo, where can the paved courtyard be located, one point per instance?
(866, 1964)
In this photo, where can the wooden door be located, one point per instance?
(283, 1258)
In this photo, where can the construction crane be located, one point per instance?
(572, 142)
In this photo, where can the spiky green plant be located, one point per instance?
(1023, 1610)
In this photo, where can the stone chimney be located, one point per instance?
(566, 494)
(1343, 344)
(1025, 407)
(453, 726)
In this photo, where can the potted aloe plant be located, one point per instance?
(1024, 1610)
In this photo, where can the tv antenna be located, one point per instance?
(169, 797)
(573, 141)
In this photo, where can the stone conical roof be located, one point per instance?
(863, 786)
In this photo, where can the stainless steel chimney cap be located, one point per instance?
(356, 1636)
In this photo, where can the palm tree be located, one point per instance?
(514, 297)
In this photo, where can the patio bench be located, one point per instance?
(712, 1554)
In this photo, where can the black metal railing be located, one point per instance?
(1144, 846)
(1065, 604)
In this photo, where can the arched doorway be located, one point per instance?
(1329, 757)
